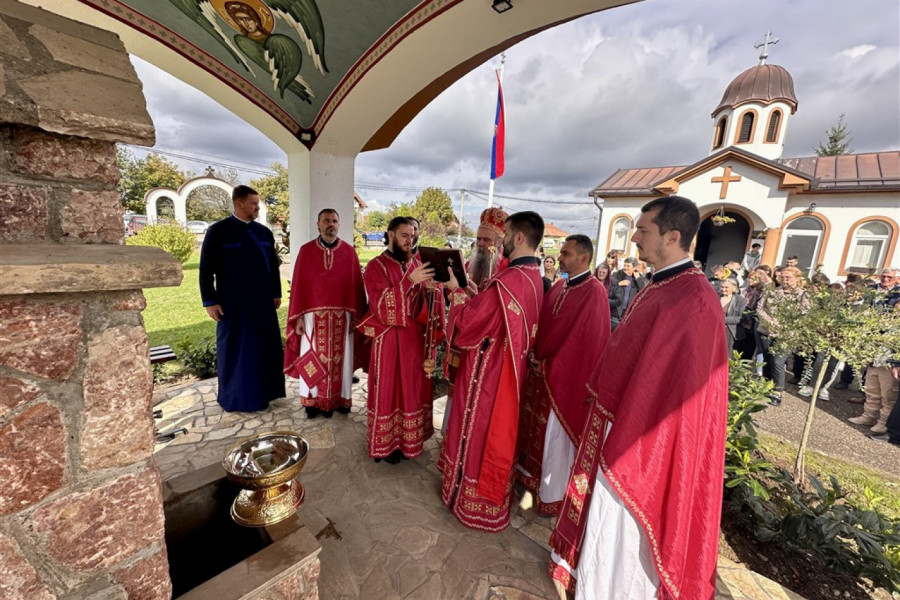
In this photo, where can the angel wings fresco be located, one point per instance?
(255, 21)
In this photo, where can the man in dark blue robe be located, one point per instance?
(241, 289)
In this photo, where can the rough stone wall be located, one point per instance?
(80, 502)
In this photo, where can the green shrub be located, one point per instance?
(744, 463)
(174, 239)
(848, 537)
(199, 357)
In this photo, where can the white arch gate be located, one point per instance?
(179, 198)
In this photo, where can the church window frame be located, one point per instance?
(773, 127)
(719, 134)
(624, 219)
(751, 134)
(791, 227)
(851, 247)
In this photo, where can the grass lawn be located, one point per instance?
(174, 314)
(853, 478)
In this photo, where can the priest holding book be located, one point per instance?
(493, 331)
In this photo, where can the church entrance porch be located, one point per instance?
(717, 245)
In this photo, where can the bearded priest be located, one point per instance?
(642, 508)
(327, 299)
(488, 258)
(573, 330)
(494, 330)
(399, 398)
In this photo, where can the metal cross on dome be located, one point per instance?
(765, 46)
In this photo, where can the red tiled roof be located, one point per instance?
(634, 182)
(359, 201)
(551, 230)
(878, 171)
(858, 172)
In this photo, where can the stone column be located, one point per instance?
(80, 502)
(319, 179)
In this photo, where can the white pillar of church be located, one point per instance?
(317, 180)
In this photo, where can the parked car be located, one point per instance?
(197, 226)
(134, 223)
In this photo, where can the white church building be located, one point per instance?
(837, 212)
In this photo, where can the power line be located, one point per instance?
(358, 184)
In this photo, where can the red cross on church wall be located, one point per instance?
(725, 179)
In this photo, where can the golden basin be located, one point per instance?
(266, 466)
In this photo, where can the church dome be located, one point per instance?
(762, 83)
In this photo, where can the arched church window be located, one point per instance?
(868, 246)
(719, 138)
(621, 231)
(745, 133)
(774, 126)
(803, 239)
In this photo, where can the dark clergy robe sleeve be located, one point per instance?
(210, 261)
(274, 271)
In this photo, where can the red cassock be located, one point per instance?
(493, 331)
(662, 385)
(327, 282)
(400, 394)
(572, 334)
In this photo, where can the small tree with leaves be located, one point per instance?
(841, 325)
(273, 190)
(838, 141)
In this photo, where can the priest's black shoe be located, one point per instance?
(394, 457)
(344, 410)
(328, 413)
(312, 412)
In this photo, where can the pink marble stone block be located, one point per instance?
(19, 579)
(118, 421)
(15, 392)
(147, 579)
(101, 527)
(62, 157)
(40, 338)
(94, 217)
(33, 445)
(23, 213)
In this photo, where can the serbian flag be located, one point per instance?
(499, 135)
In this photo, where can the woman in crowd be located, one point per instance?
(551, 275)
(733, 305)
(602, 272)
(757, 282)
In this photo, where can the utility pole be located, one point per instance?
(462, 203)
(500, 75)
(598, 202)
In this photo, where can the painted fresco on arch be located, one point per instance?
(287, 56)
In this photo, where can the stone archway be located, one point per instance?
(180, 196)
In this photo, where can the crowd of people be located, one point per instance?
(591, 388)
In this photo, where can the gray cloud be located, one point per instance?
(628, 87)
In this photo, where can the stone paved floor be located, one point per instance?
(384, 531)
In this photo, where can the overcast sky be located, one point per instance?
(629, 87)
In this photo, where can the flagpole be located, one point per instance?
(462, 203)
(500, 76)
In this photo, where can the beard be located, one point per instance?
(509, 247)
(403, 255)
(483, 263)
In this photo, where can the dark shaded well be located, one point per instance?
(210, 554)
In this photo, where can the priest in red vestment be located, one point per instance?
(643, 504)
(488, 259)
(573, 330)
(327, 299)
(493, 330)
(400, 390)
